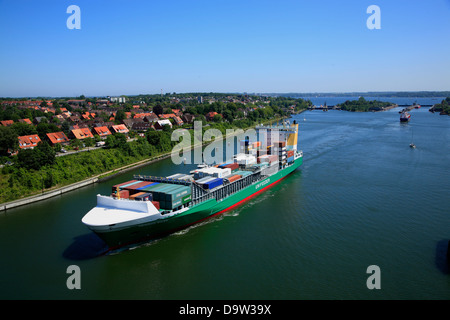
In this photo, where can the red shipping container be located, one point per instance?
(273, 158)
(138, 185)
(114, 188)
(232, 166)
(156, 204)
(123, 194)
(290, 153)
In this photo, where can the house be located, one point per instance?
(120, 128)
(38, 120)
(57, 137)
(103, 132)
(178, 121)
(210, 115)
(29, 142)
(82, 133)
(27, 121)
(167, 116)
(188, 118)
(141, 126)
(151, 117)
(74, 119)
(7, 123)
(159, 125)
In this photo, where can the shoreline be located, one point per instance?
(98, 178)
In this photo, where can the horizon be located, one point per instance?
(436, 94)
(264, 47)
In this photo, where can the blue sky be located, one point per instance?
(133, 47)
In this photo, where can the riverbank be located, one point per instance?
(104, 176)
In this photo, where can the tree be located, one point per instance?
(120, 116)
(110, 142)
(158, 109)
(8, 140)
(43, 154)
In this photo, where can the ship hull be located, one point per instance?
(142, 232)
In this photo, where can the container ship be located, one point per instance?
(405, 117)
(150, 207)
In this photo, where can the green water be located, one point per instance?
(361, 198)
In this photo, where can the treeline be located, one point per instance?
(364, 105)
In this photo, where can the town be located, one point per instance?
(48, 143)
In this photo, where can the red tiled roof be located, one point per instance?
(7, 123)
(30, 141)
(82, 133)
(57, 137)
(25, 121)
(120, 128)
(102, 131)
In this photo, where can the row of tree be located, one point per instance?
(364, 105)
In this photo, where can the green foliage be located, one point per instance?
(443, 107)
(43, 154)
(363, 105)
(8, 140)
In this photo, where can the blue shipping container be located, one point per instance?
(290, 159)
(213, 183)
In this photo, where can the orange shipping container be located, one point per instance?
(136, 194)
(290, 153)
(234, 178)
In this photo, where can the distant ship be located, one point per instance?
(149, 207)
(405, 117)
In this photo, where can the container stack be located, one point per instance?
(171, 196)
(245, 159)
(280, 148)
(248, 147)
(213, 172)
(232, 166)
(124, 184)
(233, 177)
(290, 156)
(210, 182)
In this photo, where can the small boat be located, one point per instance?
(412, 145)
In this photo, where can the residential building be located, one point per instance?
(29, 142)
(161, 123)
(7, 123)
(82, 133)
(57, 137)
(120, 128)
(103, 132)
